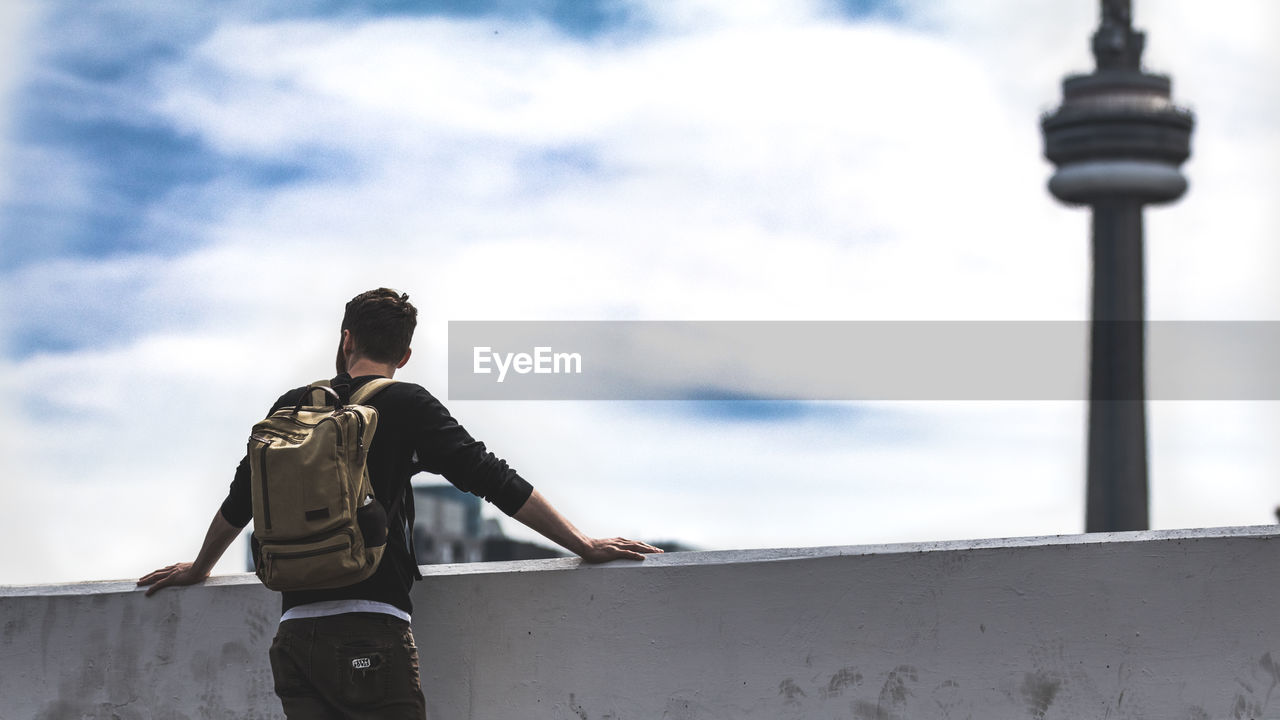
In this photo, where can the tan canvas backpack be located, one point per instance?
(316, 523)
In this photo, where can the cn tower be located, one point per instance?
(1117, 142)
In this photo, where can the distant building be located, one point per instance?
(1118, 143)
(672, 546)
(449, 529)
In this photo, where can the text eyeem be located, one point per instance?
(542, 361)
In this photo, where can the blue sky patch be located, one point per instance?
(576, 18)
(120, 170)
(719, 404)
(96, 160)
(863, 9)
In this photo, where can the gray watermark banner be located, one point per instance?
(852, 360)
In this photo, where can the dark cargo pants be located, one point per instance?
(347, 667)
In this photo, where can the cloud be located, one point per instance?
(698, 147)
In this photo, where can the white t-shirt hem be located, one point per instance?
(326, 608)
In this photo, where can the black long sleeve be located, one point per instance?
(445, 448)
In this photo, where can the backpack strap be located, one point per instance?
(369, 389)
(319, 398)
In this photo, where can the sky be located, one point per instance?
(189, 193)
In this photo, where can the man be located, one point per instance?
(349, 652)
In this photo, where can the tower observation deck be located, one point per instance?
(1118, 142)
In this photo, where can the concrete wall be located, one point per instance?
(1174, 625)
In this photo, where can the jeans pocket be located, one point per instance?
(290, 679)
(362, 674)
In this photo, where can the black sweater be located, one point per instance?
(415, 432)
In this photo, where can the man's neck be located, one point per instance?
(363, 366)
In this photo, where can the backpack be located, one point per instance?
(316, 523)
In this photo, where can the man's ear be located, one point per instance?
(404, 359)
(345, 346)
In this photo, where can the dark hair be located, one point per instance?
(381, 323)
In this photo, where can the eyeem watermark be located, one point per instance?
(855, 360)
(542, 361)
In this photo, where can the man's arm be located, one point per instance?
(538, 514)
(221, 534)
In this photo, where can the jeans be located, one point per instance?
(354, 666)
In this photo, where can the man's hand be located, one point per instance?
(183, 573)
(538, 514)
(216, 540)
(604, 550)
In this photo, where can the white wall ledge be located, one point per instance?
(1172, 624)
(707, 557)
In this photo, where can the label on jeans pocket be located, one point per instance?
(362, 663)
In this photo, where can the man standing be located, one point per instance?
(349, 652)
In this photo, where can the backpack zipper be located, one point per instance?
(264, 435)
(310, 553)
(266, 501)
(359, 433)
(336, 425)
